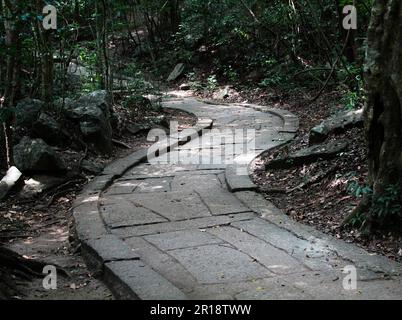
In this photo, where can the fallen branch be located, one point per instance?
(12, 177)
(121, 144)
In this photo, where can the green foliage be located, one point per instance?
(195, 84)
(383, 209)
(357, 190)
(349, 100)
(388, 206)
(230, 73)
(137, 103)
(212, 82)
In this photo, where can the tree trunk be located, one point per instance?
(383, 110)
(102, 44)
(46, 54)
(12, 28)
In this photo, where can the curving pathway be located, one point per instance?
(186, 222)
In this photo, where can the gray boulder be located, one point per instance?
(27, 112)
(34, 155)
(48, 129)
(77, 70)
(92, 112)
(336, 124)
(177, 72)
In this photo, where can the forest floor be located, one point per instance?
(325, 203)
(39, 227)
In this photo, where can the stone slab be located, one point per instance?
(221, 201)
(154, 185)
(277, 261)
(236, 182)
(162, 263)
(143, 281)
(118, 211)
(105, 249)
(316, 256)
(182, 239)
(173, 206)
(193, 181)
(199, 223)
(219, 264)
(122, 187)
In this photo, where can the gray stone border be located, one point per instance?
(104, 253)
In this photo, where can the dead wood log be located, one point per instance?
(12, 178)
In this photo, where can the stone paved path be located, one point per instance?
(199, 231)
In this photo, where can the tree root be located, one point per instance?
(14, 267)
(360, 210)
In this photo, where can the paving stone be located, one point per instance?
(220, 201)
(97, 184)
(316, 256)
(143, 281)
(274, 259)
(211, 166)
(148, 171)
(88, 222)
(119, 211)
(236, 182)
(219, 264)
(105, 249)
(272, 289)
(119, 166)
(193, 181)
(122, 187)
(173, 205)
(162, 263)
(154, 185)
(199, 223)
(257, 203)
(182, 239)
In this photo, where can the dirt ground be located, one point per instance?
(38, 227)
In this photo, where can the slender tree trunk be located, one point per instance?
(13, 70)
(101, 43)
(46, 57)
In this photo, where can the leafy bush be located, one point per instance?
(212, 82)
(387, 207)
